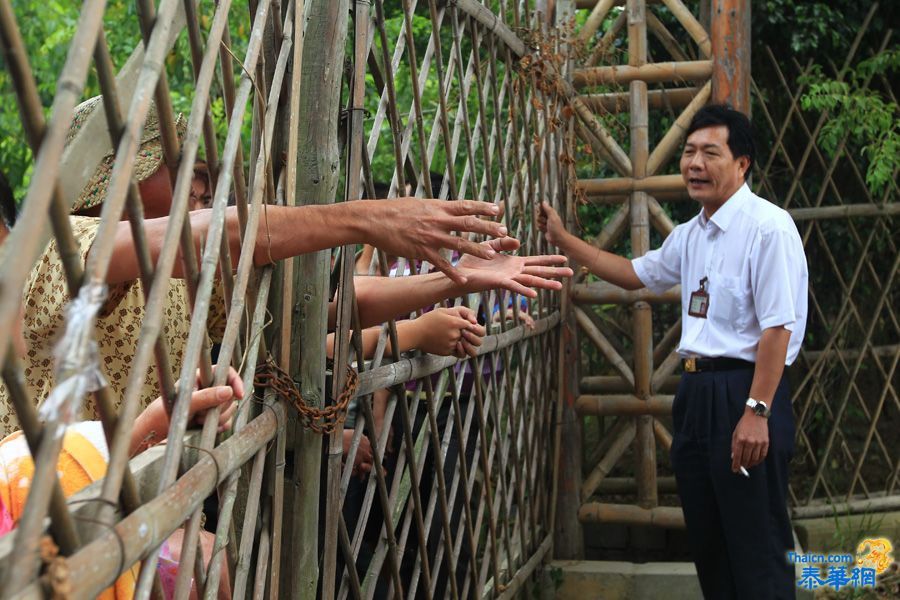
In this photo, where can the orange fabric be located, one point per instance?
(82, 460)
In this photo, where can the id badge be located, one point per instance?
(699, 303)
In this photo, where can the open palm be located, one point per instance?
(519, 274)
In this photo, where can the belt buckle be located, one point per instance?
(690, 365)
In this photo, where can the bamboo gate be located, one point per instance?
(495, 105)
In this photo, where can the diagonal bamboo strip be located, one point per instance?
(603, 344)
(665, 370)
(663, 437)
(691, 25)
(673, 138)
(620, 161)
(595, 20)
(659, 218)
(601, 49)
(665, 37)
(616, 450)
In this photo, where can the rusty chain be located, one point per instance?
(319, 420)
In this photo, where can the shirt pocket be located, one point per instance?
(730, 303)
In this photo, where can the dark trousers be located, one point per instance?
(738, 527)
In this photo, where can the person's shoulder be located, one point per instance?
(766, 217)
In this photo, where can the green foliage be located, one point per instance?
(861, 115)
(47, 29)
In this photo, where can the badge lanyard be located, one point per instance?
(699, 302)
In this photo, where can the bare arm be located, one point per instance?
(750, 441)
(605, 265)
(418, 228)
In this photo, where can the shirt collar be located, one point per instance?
(723, 217)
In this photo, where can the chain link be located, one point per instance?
(319, 420)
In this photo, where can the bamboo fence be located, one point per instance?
(460, 502)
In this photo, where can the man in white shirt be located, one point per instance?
(743, 277)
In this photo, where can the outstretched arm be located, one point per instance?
(411, 227)
(443, 331)
(605, 265)
(383, 298)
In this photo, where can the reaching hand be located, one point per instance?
(517, 274)
(550, 224)
(152, 425)
(449, 331)
(419, 228)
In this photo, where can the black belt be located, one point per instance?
(722, 363)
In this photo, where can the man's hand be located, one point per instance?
(750, 441)
(449, 331)
(550, 224)
(517, 274)
(419, 228)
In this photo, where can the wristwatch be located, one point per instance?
(759, 408)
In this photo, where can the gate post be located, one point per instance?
(730, 38)
(318, 161)
(568, 537)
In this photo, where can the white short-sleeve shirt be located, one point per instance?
(753, 256)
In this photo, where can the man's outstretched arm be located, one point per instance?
(605, 265)
(410, 227)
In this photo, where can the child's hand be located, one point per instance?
(449, 331)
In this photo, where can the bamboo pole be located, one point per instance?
(568, 538)
(663, 437)
(671, 142)
(613, 230)
(659, 218)
(616, 102)
(627, 485)
(660, 516)
(607, 293)
(608, 462)
(595, 20)
(668, 343)
(845, 211)
(603, 344)
(318, 168)
(730, 34)
(623, 404)
(625, 185)
(613, 384)
(665, 37)
(661, 72)
(601, 49)
(691, 25)
(665, 370)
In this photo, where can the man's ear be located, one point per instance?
(743, 164)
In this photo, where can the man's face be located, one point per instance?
(711, 172)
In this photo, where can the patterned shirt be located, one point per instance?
(118, 326)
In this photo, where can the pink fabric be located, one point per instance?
(168, 571)
(6, 520)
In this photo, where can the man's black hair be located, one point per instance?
(740, 132)
(8, 208)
